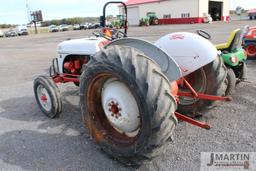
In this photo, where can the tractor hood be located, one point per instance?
(86, 46)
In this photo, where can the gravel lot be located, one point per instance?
(30, 141)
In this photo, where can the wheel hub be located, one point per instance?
(120, 107)
(44, 98)
(115, 109)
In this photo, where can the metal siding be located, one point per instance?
(196, 8)
(133, 15)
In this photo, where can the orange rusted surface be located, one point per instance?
(95, 133)
(174, 88)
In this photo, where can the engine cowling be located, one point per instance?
(86, 46)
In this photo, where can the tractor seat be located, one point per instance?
(232, 43)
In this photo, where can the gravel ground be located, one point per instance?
(30, 141)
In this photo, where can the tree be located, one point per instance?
(239, 10)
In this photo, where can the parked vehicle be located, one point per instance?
(76, 27)
(11, 33)
(150, 19)
(129, 88)
(84, 26)
(90, 26)
(249, 42)
(95, 26)
(119, 23)
(109, 25)
(22, 30)
(1, 33)
(252, 14)
(63, 27)
(53, 28)
(207, 18)
(234, 57)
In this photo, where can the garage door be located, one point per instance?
(133, 16)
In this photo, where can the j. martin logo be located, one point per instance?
(231, 161)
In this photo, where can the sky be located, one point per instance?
(15, 11)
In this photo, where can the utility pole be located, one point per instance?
(28, 11)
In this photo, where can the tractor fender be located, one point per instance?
(190, 51)
(168, 65)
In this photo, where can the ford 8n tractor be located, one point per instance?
(132, 91)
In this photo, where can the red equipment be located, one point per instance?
(249, 43)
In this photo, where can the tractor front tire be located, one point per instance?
(47, 96)
(231, 82)
(126, 104)
(213, 77)
(241, 72)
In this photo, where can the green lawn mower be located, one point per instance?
(119, 23)
(234, 57)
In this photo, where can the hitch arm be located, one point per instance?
(192, 121)
(205, 96)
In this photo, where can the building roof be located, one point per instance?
(136, 2)
(252, 11)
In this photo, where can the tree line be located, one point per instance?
(71, 21)
(7, 25)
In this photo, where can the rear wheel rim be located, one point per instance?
(198, 81)
(120, 107)
(44, 98)
(100, 119)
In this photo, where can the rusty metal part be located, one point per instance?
(192, 121)
(196, 95)
(65, 78)
(96, 120)
(205, 96)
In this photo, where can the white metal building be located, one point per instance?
(177, 11)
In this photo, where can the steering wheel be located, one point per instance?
(204, 34)
(111, 35)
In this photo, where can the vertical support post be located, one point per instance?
(35, 27)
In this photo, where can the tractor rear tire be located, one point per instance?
(143, 80)
(215, 84)
(48, 96)
(231, 82)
